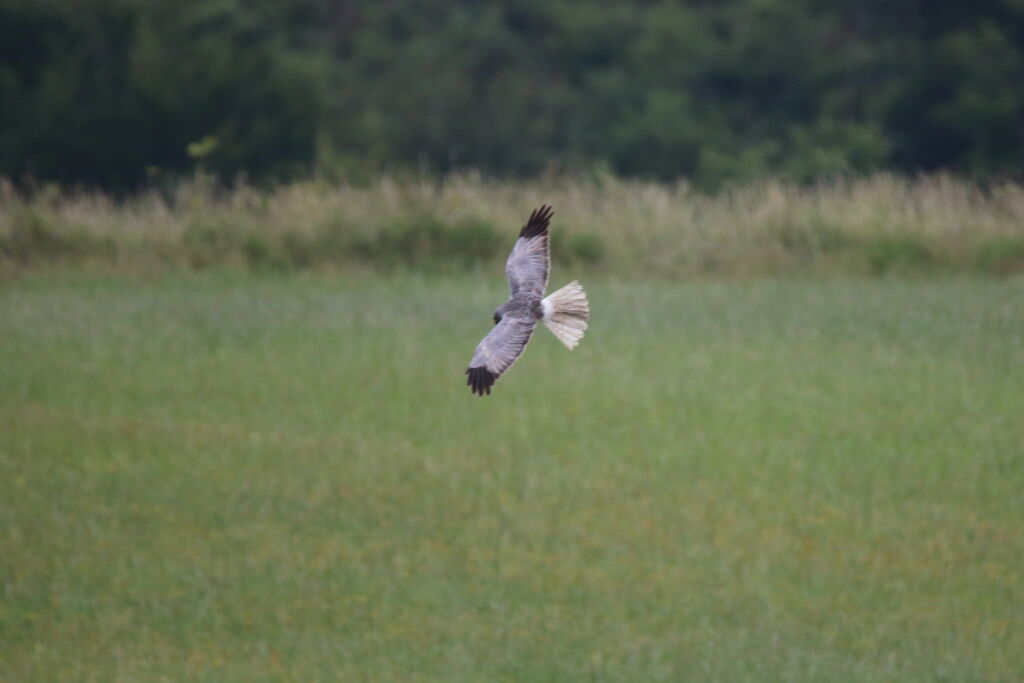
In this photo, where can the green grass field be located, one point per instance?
(234, 478)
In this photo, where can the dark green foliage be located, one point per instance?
(209, 241)
(32, 237)
(810, 239)
(428, 241)
(420, 242)
(109, 92)
(118, 93)
(261, 255)
(897, 253)
(578, 249)
(330, 244)
(36, 238)
(1000, 255)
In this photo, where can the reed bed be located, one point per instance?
(878, 224)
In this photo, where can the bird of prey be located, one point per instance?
(565, 312)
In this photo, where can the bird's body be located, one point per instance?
(565, 312)
(526, 305)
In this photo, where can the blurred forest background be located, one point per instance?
(117, 94)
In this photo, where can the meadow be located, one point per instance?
(230, 476)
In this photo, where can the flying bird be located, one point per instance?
(564, 312)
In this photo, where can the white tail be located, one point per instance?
(566, 312)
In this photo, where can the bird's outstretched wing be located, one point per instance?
(528, 264)
(498, 351)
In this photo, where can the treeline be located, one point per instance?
(123, 93)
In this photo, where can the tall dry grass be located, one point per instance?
(875, 224)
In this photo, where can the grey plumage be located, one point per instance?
(564, 312)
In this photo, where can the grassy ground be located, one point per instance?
(215, 477)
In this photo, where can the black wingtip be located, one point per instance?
(480, 380)
(538, 223)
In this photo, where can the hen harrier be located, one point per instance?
(565, 312)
